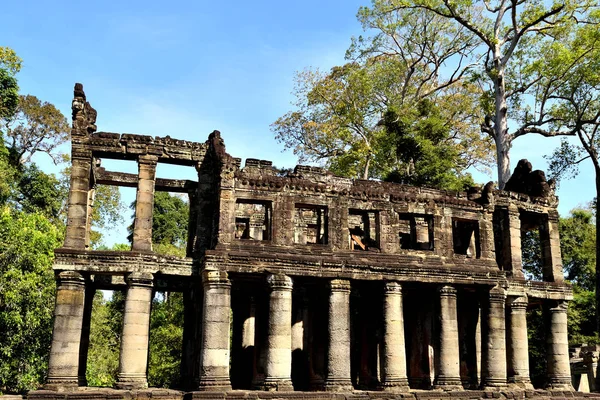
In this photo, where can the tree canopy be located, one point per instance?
(340, 121)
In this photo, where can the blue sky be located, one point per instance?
(184, 68)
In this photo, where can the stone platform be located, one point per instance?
(166, 394)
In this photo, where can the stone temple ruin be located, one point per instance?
(310, 282)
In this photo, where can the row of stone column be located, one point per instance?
(499, 364)
(70, 337)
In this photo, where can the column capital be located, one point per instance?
(71, 279)
(447, 291)
(517, 303)
(213, 278)
(392, 287)
(148, 159)
(80, 153)
(497, 295)
(339, 285)
(279, 282)
(140, 279)
(558, 307)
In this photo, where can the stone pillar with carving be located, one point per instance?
(144, 203)
(518, 351)
(393, 377)
(448, 365)
(133, 360)
(63, 365)
(494, 356)
(550, 241)
(216, 312)
(557, 341)
(77, 212)
(278, 364)
(338, 355)
(513, 235)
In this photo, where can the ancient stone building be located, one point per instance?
(309, 281)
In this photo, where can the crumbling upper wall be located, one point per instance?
(309, 217)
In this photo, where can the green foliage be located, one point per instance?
(9, 94)
(578, 247)
(10, 64)
(9, 60)
(425, 153)
(105, 339)
(27, 242)
(170, 220)
(338, 119)
(166, 333)
(40, 192)
(169, 224)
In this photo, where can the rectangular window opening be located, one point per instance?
(416, 231)
(111, 217)
(310, 224)
(364, 229)
(532, 245)
(171, 223)
(106, 324)
(165, 340)
(465, 238)
(253, 220)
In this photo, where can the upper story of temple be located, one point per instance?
(252, 219)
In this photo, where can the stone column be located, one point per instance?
(338, 356)
(393, 376)
(133, 360)
(559, 369)
(518, 351)
(494, 360)
(278, 365)
(77, 212)
(512, 237)
(448, 366)
(63, 364)
(214, 354)
(144, 204)
(550, 241)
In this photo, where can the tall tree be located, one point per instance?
(500, 41)
(36, 127)
(339, 118)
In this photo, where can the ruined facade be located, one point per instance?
(309, 281)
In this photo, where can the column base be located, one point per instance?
(338, 385)
(520, 383)
(217, 384)
(448, 384)
(131, 381)
(561, 384)
(494, 385)
(395, 385)
(277, 385)
(61, 384)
